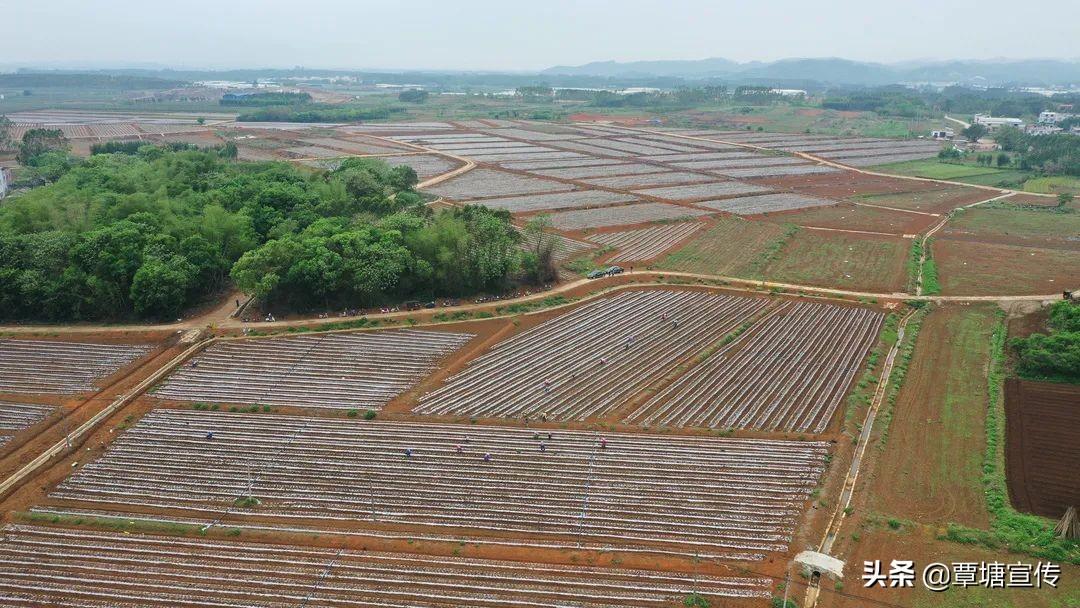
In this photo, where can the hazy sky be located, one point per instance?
(509, 35)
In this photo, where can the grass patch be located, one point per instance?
(1009, 529)
(899, 371)
(523, 307)
(117, 524)
(1053, 185)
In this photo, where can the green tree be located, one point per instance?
(40, 141)
(413, 96)
(974, 132)
(160, 287)
(6, 141)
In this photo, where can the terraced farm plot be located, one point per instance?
(15, 417)
(736, 163)
(490, 182)
(645, 244)
(312, 152)
(336, 371)
(594, 171)
(538, 155)
(732, 246)
(425, 165)
(622, 215)
(531, 135)
(805, 169)
(531, 165)
(728, 154)
(585, 363)
(787, 373)
(637, 148)
(595, 150)
(861, 262)
(728, 497)
(556, 200)
(56, 567)
(353, 146)
(766, 203)
(35, 366)
(481, 151)
(702, 191)
(649, 179)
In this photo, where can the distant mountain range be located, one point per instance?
(1026, 72)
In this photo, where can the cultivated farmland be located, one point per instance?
(15, 417)
(586, 363)
(649, 179)
(56, 567)
(766, 203)
(702, 191)
(489, 182)
(337, 371)
(788, 373)
(425, 165)
(732, 246)
(623, 489)
(556, 200)
(34, 366)
(622, 215)
(647, 243)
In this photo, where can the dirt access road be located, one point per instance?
(200, 322)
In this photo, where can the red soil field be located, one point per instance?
(1042, 445)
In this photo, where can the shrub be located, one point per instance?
(369, 415)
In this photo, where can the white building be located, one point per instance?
(993, 123)
(1052, 118)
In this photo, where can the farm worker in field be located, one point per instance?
(210, 435)
(408, 452)
(457, 448)
(603, 443)
(549, 436)
(663, 316)
(543, 448)
(674, 324)
(487, 457)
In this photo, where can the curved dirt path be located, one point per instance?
(624, 280)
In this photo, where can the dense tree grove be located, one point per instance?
(318, 113)
(1056, 355)
(151, 233)
(264, 99)
(1054, 154)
